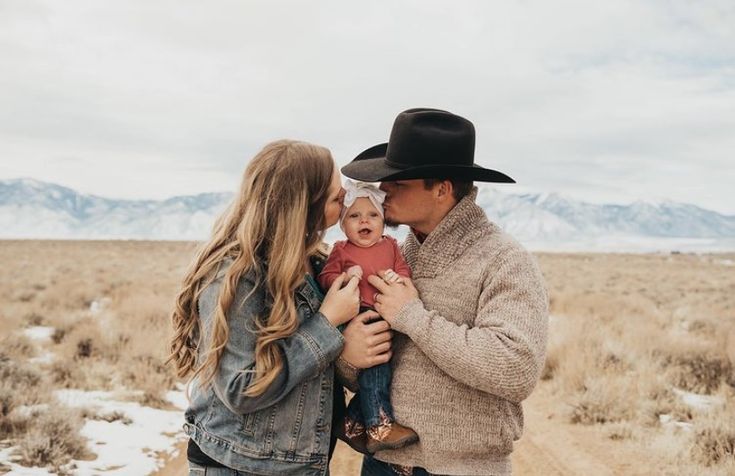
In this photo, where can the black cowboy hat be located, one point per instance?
(424, 143)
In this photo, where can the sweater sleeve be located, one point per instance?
(503, 353)
(332, 268)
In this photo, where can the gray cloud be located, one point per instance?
(605, 101)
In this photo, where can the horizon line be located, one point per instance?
(653, 202)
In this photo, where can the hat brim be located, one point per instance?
(371, 166)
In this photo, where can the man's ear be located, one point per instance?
(444, 190)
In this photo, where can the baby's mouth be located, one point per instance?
(364, 231)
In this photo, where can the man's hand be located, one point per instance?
(390, 276)
(392, 296)
(367, 343)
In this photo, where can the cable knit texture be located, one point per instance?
(471, 349)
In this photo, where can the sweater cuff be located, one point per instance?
(410, 318)
(347, 374)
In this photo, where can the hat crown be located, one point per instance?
(424, 144)
(424, 136)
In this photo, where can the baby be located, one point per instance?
(366, 252)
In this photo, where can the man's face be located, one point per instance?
(407, 202)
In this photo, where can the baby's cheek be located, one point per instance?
(351, 232)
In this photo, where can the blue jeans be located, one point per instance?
(374, 467)
(374, 394)
(373, 397)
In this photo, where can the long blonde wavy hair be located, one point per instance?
(274, 223)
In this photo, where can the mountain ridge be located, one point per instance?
(31, 208)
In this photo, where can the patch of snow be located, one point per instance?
(697, 401)
(39, 332)
(667, 421)
(45, 358)
(97, 306)
(9, 459)
(123, 449)
(28, 411)
(177, 398)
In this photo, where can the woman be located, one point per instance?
(251, 327)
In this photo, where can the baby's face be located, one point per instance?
(363, 224)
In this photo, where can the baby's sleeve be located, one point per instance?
(332, 268)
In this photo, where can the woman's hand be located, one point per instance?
(355, 271)
(341, 304)
(367, 343)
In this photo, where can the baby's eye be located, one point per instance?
(353, 215)
(373, 215)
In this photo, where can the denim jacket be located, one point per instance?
(285, 430)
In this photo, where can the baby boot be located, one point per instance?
(389, 436)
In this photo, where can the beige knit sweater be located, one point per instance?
(471, 349)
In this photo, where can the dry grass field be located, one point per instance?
(108, 305)
(639, 376)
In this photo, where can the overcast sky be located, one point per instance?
(606, 101)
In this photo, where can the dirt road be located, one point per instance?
(549, 447)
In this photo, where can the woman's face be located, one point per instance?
(336, 195)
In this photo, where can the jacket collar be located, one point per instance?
(460, 228)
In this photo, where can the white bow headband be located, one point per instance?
(355, 190)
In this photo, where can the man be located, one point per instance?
(472, 325)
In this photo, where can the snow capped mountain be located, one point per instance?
(34, 209)
(553, 216)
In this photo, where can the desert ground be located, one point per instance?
(638, 380)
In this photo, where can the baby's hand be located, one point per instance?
(390, 276)
(354, 271)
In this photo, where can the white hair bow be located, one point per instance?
(355, 190)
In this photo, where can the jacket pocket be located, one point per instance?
(249, 423)
(293, 429)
